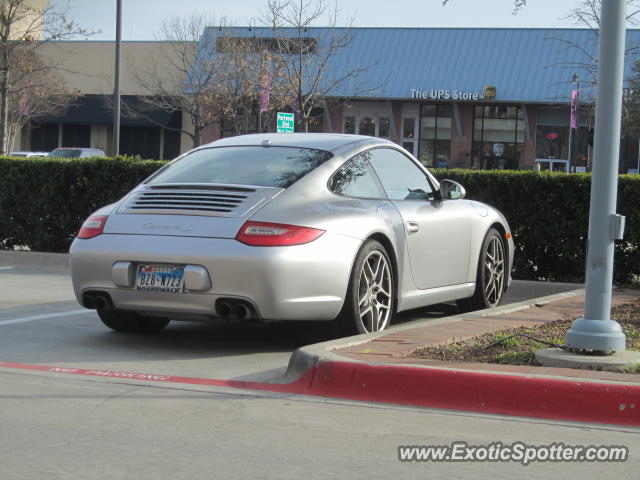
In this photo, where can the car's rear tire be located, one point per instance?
(370, 300)
(491, 278)
(131, 322)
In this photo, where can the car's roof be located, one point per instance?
(321, 141)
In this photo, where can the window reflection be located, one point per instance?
(367, 126)
(408, 128)
(269, 167)
(400, 177)
(384, 127)
(349, 125)
(354, 179)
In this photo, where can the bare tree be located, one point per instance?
(586, 14)
(182, 75)
(307, 73)
(217, 75)
(248, 73)
(25, 25)
(36, 91)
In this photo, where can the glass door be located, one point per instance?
(409, 129)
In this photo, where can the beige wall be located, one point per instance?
(89, 66)
(32, 21)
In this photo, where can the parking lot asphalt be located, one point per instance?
(81, 401)
(42, 323)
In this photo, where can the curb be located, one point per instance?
(495, 393)
(558, 398)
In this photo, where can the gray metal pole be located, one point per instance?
(596, 331)
(116, 90)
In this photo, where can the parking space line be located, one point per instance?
(6, 268)
(42, 317)
(298, 386)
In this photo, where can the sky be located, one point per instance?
(141, 19)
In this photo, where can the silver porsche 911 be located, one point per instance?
(341, 228)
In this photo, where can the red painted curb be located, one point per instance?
(480, 392)
(435, 388)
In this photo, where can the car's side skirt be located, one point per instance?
(422, 298)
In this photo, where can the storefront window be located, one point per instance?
(408, 127)
(408, 139)
(368, 125)
(498, 137)
(552, 141)
(349, 125)
(553, 136)
(316, 124)
(384, 127)
(435, 135)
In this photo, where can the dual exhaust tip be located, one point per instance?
(97, 301)
(228, 308)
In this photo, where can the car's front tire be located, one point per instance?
(370, 300)
(131, 322)
(491, 278)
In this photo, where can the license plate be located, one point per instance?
(160, 278)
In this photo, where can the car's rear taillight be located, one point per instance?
(92, 226)
(265, 234)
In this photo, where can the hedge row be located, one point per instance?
(44, 201)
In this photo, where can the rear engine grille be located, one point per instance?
(210, 200)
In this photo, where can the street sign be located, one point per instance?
(285, 122)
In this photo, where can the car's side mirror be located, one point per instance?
(451, 190)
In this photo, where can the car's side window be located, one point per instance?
(400, 177)
(355, 179)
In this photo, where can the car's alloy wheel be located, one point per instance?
(491, 276)
(370, 301)
(374, 293)
(494, 271)
(131, 322)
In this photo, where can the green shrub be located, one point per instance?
(44, 201)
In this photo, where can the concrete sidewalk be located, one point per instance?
(396, 347)
(377, 367)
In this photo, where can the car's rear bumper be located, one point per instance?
(303, 282)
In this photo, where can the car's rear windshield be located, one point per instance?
(65, 152)
(249, 165)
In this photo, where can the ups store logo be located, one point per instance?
(489, 92)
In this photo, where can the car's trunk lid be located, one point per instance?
(199, 210)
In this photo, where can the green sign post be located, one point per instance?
(285, 122)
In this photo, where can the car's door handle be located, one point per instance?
(413, 227)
